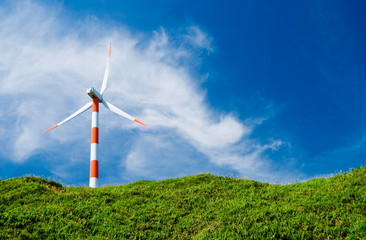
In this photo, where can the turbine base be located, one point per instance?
(93, 182)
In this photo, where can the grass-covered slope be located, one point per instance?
(199, 207)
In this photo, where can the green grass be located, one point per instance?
(194, 207)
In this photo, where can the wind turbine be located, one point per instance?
(97, 98)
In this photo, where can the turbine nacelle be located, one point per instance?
(94, 94)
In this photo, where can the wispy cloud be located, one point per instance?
(46, 67)
(198, 38)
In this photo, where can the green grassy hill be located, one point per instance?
(198, 207)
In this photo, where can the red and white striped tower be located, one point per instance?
(97, 98)
(94, 173)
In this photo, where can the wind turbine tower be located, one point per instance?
(94, 104)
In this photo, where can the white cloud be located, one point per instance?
(158, 157)
(45, 69)
(199, 38)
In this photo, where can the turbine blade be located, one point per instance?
(120, 112)
(50, 128)
(78, 112)
(140, 122)
(106, 73)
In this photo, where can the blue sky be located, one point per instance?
(267, 90)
